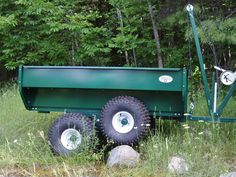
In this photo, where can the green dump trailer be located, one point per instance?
(119, 101)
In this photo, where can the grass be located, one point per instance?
(210, 149)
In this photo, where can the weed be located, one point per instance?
(24, 151)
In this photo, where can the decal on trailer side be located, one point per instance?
(165, 79)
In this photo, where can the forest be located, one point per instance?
(139, 33)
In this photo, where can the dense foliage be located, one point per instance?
(113, 32)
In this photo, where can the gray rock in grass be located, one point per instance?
(178, 165)
(231, 174)
(123, 155)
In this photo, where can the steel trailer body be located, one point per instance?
(87, 89)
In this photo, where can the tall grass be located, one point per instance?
(210, 149)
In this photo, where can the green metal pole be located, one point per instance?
(200, 58)
(226, 99)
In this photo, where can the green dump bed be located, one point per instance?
(87, 89)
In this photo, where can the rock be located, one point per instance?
(123, 155)
(178, 165)
(231, 174)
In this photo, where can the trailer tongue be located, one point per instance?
(227, 78)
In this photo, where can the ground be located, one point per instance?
(210, 149)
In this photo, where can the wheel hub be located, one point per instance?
(71, 139)
(123, 122)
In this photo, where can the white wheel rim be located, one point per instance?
(123, 122)
(71, 139)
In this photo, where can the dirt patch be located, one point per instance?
(231, 163)
(49, 171)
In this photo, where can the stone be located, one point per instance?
(231, 174)
(178, 165)
(123, 155)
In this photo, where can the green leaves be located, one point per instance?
(218, 31)
(40, 32)
(7, 21)
(113, 32)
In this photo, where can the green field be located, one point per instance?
(210, 149)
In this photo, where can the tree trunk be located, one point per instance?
(135, 58)
(77, 51)
(3, 73)
(156, 35)
(229, 55)
(72, 53)
(122, 32)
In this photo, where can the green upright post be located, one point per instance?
(212, 89)
(200, 58)
(226, 99)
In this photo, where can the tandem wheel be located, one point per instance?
(125, 119)
(70, 133)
